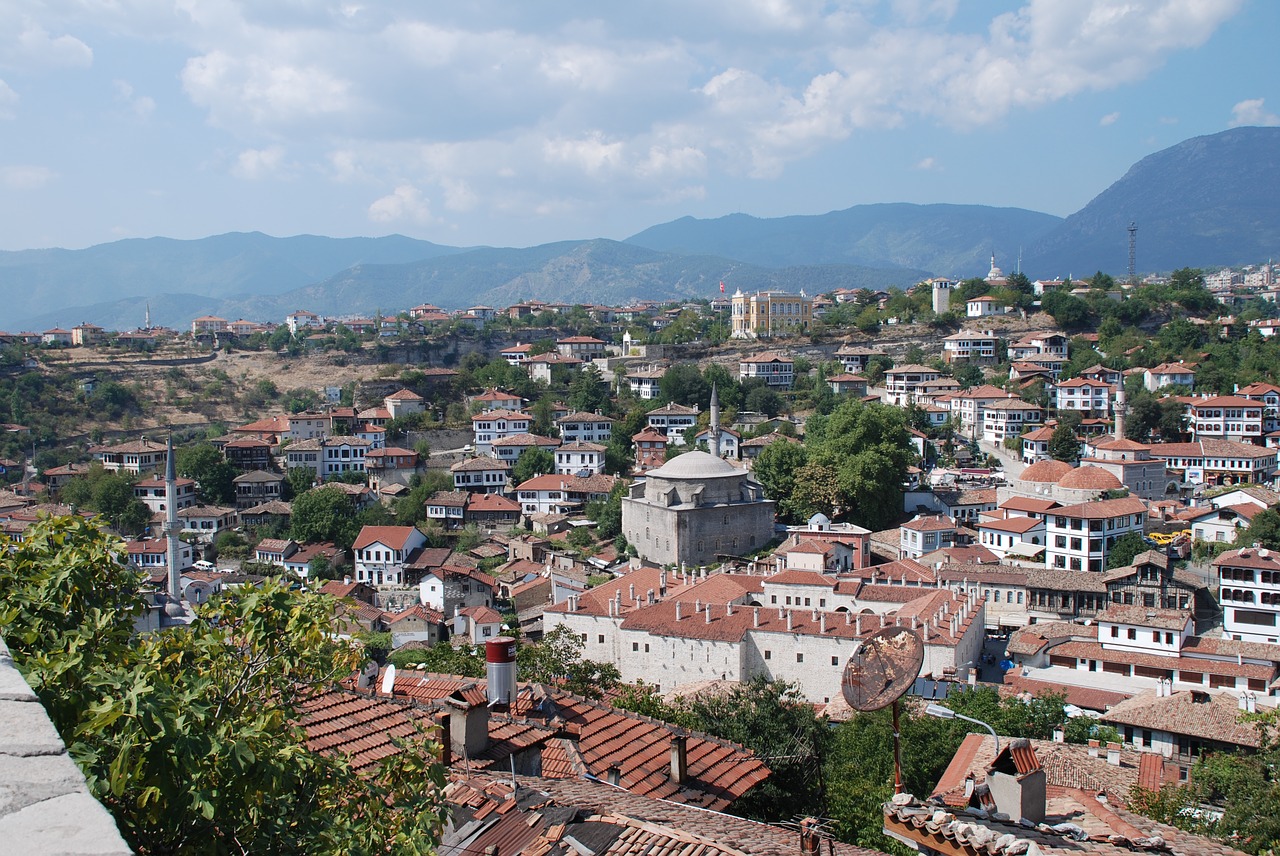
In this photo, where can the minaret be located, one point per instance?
(1120, 405)
(171, 521)
(147, 322)
(715, 422)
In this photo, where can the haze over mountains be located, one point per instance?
(1205, 202)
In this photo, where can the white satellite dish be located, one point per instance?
(389, 680)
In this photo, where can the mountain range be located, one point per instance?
(1204, 202)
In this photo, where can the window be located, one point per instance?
(646, 647)
(768, 655)
(835, 661)
(799, 657)
(1133, 633)
(635, 646)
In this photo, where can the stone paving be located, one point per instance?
(45, 805)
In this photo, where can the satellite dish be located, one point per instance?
(881, 668)
(389, 680)
(367, 674)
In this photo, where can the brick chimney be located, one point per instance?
(679, 757)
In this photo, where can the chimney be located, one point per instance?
(1113, 754)
(857, 624)
(346, 581)
(810, 841)
(1251, 703)
(822, 623)
(1059, 735)
(1093, 748)
(697, 605)
(1241, 703)
(446, 740)
(631, 593)
(708, 613)
(788, 619)
(662, 584)
(679, 757)
(728, 609)
(755, 620)
(678, 611)
(472, 737)
(614, 776)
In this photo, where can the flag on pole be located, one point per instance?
(722, 286)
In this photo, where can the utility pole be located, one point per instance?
(1133, 253)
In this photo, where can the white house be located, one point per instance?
(484, 474)
(984, 307)
(673, 420)
(495, 424)
(1080, 536)
(1249, 588)
(773, 368)
(380, 553)
(585, 427)
(1174, 375)
(578, 458)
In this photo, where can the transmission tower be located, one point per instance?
(1133, 253)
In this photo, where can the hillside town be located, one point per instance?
(1066, 489)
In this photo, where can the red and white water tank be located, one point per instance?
(500, 663)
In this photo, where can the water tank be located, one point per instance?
(500, 663)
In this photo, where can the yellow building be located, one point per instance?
(770, 313)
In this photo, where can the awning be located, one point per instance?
(1026, 551)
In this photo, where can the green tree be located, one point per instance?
(1125, 549)
(1069, 311)
(190, 737)
(762, 399)
(1263, 530)
(557, 659)
(776, 468)
(297, 481)
(607, 513)
(1064, 445)
(214, 476)
(443, 658)
(587, 392)
(323, 514)
(684, 384)
(533, 461)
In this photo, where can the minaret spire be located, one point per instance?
(715, 422)
(171, 520)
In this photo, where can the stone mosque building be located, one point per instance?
(697, 507)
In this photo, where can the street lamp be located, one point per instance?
(941, 712)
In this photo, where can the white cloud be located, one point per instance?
(32, 47)
(1253, 112)
(1109, 119)
(405, 203)
(267, 92)
(591, 154)
(26, 177)
(141, 105)
(256, 164)
(927, 164)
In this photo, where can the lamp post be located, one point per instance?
(940, 712)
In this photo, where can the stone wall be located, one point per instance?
(45, 806)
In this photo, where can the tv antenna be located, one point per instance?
(878, 673)
(1133, 252)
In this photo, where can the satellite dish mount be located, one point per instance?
(880, 670)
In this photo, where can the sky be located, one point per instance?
(519, 123)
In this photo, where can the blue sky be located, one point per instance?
(514, 124)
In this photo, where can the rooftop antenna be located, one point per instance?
(878, 673)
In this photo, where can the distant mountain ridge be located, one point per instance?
(953, 240)
(1205, 202)
(1201, 203)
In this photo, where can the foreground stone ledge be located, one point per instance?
(45, 805)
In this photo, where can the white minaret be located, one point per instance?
(171, 530)
(1120, 406)
(715, 422)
